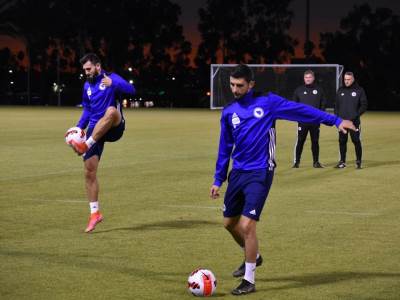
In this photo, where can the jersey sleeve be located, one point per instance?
(224, 152)
(292, 111)
(363, 102)
(85, 117)
(121, 85)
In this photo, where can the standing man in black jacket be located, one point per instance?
(351, 103)
(312, 95)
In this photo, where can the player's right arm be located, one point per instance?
(224, 155)
(85, 117)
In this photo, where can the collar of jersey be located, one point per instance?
(247, 99)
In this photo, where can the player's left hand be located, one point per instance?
(214, 192)
(346, 124)
(107, 81)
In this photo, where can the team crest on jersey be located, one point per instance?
(89, 92)
(102, 86)
(354, 94)
(235, 120)
(258, 112)
(315, 92)
(342, 94)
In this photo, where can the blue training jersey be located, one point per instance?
(97, 98)
(248, 128)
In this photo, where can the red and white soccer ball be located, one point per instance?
(202, 283)
(75, 133)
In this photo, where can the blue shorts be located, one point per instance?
(247, 192)
(113, 135)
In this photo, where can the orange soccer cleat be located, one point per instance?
(79, 148)
(94, 219)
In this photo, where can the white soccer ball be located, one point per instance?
(75, 133)
(202, 283)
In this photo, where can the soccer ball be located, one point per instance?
(75, 134)
(202, 282)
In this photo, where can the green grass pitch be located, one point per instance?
(324, 233)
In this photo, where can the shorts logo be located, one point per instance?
(315, 92)
(89, 92)
(253, 212)
(305, 92)
(235, 120)
(342, 94)
(354, 94)
(258, 112)
(223, 207)
(299, 128)
(102, 86)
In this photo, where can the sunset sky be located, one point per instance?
(325, 16)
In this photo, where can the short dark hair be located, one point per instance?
(93, 58)
(349, 74)
(309, 72)
(243, 71)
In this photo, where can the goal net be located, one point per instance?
(281, 79)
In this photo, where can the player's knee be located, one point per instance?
(111, 113)
(229, 225)
(247, 228)
(90, 172)
(90, 175)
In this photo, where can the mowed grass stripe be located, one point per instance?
(324, 234)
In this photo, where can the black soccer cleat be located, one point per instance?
(296, 165)
(241, 270)
(340, 165)
(244, 288)
(318, 165)
(358, 165)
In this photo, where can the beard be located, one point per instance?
(91, 78)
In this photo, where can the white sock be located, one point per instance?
(94, 207)
(90, 142)
(250, 272)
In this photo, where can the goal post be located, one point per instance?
(281, 79)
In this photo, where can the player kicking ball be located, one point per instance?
(248, 136)
(102, 114)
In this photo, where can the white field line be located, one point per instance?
(348, 213)
(53, 200)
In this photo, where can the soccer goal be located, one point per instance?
(281, 79)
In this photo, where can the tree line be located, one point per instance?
(143, 41)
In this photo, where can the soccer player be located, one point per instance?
(248, 129)
(102, 114)
(313, 95)
(351, 103)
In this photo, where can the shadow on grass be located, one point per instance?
(93, 263)
(164, 225)
(375, 163)
(299, 281)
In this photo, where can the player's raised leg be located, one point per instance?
(92, 191)
(111, 118)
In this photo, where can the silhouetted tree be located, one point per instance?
(368, 43)
(247, 31)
